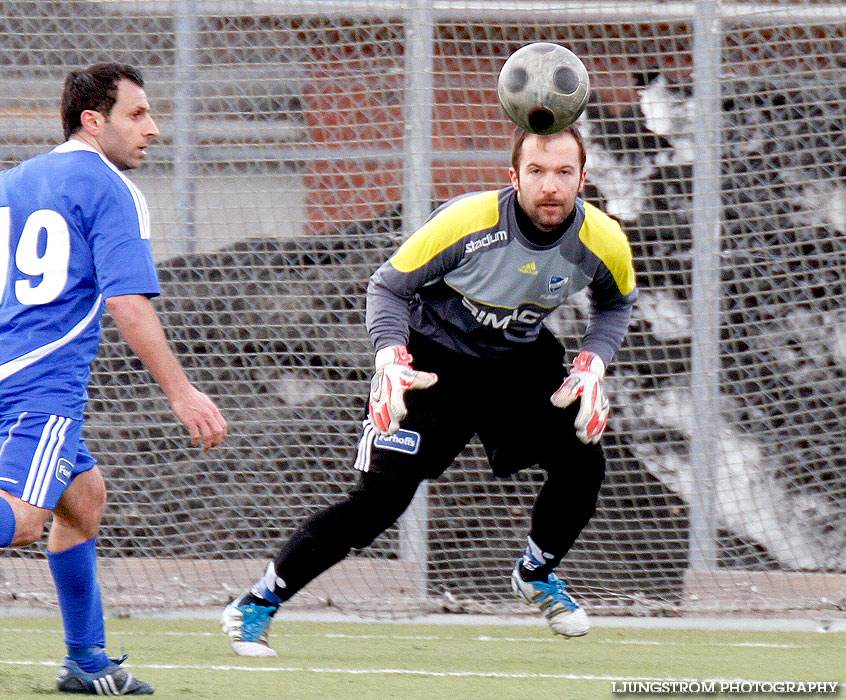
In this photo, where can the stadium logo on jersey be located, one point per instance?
(487, 240)
(402, 441)
(556, 283)
(64, 471)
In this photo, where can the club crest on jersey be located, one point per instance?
(64, 471)
(402, 441)
(556, 283)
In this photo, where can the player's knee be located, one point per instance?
(26, 533)
(352, 523)
(89, 522)
(364, 539)
(98, 498)
(339, 528)
(21, 523)
(87, 519)
(94, 492)
(371, 521)
(377, 502)
(370, 508)
(29, 525)
(81, 507)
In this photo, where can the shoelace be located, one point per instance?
(256, 618)
(556, 589)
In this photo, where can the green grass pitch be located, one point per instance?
(378, 661)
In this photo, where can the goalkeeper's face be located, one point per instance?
(128, 129)
(549, 178)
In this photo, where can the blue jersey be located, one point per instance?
(73, 232)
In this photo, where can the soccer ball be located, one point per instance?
(543, 87)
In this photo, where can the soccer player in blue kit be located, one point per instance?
(75, 237)
(464, 299)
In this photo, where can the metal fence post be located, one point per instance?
(185, 125)
(705, 363)
(416, 203)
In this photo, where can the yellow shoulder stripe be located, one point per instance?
(604, 238)
(467, 215)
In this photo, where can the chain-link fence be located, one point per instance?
(301, 141)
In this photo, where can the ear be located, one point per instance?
(582, 180)
(92, 121)
(515, 178)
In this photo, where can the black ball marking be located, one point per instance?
(565, 80)
(541, 119)
(516, 80)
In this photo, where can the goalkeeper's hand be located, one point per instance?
(585, 382)
(394, 376)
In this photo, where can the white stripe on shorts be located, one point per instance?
(365, 447)
(9, 437)
(53, 462)
(44, 460)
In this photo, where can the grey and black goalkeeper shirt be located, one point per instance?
(470, 280)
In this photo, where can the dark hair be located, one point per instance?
(93, 88)
(520, 137)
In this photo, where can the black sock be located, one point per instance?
(540, 573)
(252, 599)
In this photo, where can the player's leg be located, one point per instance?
(27, 463)
(371, 507)
(392, 468)
(45, 467)
(8, 519)
(565, 504)
(432, 434)
(72, 556)
(520, 429)
(373, 504)
(21, 523)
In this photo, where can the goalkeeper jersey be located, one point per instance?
(73, 232)
(470, 279)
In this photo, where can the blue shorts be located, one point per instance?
(40, 454)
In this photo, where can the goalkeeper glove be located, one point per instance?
(585, 382)
(394, 376)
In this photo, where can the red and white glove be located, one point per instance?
(585, 382)
(394, 376)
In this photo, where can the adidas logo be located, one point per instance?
(529, 268)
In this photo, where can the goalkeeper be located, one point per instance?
(456, 318)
